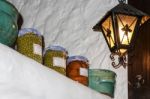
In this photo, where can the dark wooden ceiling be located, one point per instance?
(143, 5)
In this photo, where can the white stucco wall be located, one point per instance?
(69, 23)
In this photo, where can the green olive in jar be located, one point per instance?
(29, 43)
(55, 58)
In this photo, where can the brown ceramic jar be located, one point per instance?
(77, 69)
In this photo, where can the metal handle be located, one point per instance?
(139, 81)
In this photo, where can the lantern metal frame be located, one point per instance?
(127, 10)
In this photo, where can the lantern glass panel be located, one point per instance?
(108, 31)
(122, 51)
(144, 19)
(126, 26)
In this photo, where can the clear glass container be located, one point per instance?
(55, 58)
(29, 43)
(77, 69)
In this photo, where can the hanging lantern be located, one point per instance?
(120, 28)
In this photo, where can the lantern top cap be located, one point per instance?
(121, 8)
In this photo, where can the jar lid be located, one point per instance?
(28, 30)
(56, 48)
(77, 58)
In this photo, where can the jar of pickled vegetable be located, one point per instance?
(29, 43)
(55, 58)
(77, 69)
(8, 23)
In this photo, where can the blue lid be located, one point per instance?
(28, 30)
(56, 48)
(79, 58)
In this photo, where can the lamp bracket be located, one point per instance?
(122, 1)
(122, 60)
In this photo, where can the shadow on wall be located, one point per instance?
(20, 21)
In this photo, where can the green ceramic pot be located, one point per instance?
(8, 23)
(102, 81)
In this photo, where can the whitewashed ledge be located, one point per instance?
(23, 78)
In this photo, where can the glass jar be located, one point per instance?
(29, 43)
(8, 23)
(77, 69)
(55, 58)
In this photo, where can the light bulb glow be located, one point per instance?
(126, 35)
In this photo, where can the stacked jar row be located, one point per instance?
(30, 43)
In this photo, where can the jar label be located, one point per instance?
(83, 72)
(58, 61)
(37, 49)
